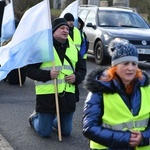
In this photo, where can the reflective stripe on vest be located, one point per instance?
(127, 125)
(50, 82)
(117, 116)
(66, 69)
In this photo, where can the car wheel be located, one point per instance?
(99, 53)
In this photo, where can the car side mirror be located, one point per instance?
(91, 25)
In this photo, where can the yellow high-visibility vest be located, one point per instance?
(65, 69)
(122, 118)
(76, 38)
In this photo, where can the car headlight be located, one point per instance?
(121, 40)
(106, 37)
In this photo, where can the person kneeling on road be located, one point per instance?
(69, 72)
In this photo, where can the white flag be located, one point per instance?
(32, 41)
(73, 9)
(8, 23)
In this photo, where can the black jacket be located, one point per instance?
(46, 103)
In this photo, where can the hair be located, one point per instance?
(110, 74)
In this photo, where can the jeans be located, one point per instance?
(43, 123)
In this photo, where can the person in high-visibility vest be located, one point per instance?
(85, 42)
(74, 32)
(76, 39)
(68, 70)
(116, 113)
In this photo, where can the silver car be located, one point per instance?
(103, 24)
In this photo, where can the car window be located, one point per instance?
(123, 19)
(106, 18)
(119, 18)
(138, 21)
(83, 13)
(91, 18)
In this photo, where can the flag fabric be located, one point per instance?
(32, 41)
(8, 23)
(73, 9)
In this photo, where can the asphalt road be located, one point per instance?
(17, 103)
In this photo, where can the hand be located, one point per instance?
(54, 74)
(135, 139)
(70, 78)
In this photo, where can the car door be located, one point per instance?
(90, 28)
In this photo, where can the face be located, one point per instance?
(61, 33)
(70, 23)
(127, 71)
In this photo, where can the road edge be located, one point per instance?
(4, 145)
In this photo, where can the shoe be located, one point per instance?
(34, 114)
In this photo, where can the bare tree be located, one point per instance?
(20, 6)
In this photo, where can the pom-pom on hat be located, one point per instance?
(69, 17)
(122, 51)
(56, 23)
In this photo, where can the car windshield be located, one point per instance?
(120, 19)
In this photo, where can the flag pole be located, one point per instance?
(19, 74)
(57, 109)
(55, 87)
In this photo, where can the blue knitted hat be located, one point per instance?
(122, 51)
